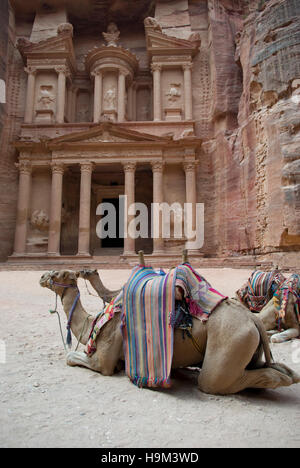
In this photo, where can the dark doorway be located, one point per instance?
(117, 242)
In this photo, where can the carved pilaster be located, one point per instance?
(156, 70)
(25, 170)
(31, 71)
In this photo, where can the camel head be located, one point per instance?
(86, 274)
(58, 280)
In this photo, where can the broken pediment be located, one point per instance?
(159, 43)
(58, 47)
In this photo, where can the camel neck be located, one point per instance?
(80, 319)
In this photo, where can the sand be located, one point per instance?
(45, 403)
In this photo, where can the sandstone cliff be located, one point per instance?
(246, 97)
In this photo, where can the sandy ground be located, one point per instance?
(45, 403)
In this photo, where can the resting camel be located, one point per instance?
(229, 345)
(290, 324)
(93, 277)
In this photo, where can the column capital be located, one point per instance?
(30, 70)
(156, 67)
(62, 69)
(187, 66)
(87, 166)
(129, 166)
(122, 72)
(24, 167)
(97, 73)
(57, 167)
(189, 166)
(157, 166)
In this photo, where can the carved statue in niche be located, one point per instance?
(174, 93)
(39, 220)
(46, 97)
(112, 35)
(110, 99)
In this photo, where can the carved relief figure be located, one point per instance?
(152, 23)
(46, 98)
(39, 220)
(112, 35)
(174, 93)
(110, 99)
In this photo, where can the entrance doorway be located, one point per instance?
(117, 242)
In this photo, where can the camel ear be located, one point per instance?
(53, 274)
(95, 271)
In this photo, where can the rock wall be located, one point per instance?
(257, 185)
(246, 98)
(11, 115)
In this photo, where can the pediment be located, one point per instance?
(58, 46)
(158, 42)
(106, 133)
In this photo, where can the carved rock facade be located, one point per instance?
(95, 107)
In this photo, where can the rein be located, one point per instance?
(69, 335)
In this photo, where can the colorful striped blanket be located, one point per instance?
(100, 320)
(259, 289)
(281, 297)
(149, 319)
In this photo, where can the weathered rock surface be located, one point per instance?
(246, 102)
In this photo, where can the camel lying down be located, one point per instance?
(279, 306)
(229, 346)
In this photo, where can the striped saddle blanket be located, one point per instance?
(149, 319)
(259, 289)
(102, 319)
(281, 297)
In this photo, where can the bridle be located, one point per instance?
(69, 335)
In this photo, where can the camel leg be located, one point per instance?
(224, 367)
(286, 335)
(104, 366)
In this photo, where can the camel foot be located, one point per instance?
(75, 358)
(286, 335)
(287, 371)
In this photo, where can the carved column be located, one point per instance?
(61, 94)
(121, 96)
(23, 207)
(55, 210)
(191, 190)
(156, 69)
(97, 96)
(85, 209)
(134, 91)
(129, 169)
(188, 97)
(157, 169)
(29, 109)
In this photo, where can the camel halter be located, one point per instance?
(69, 335)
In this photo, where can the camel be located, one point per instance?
(93, 277)
(290, 324)
(289, 327)
(229, 346)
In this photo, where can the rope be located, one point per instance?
(94, 295)
(55, 311)
(59, 322)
